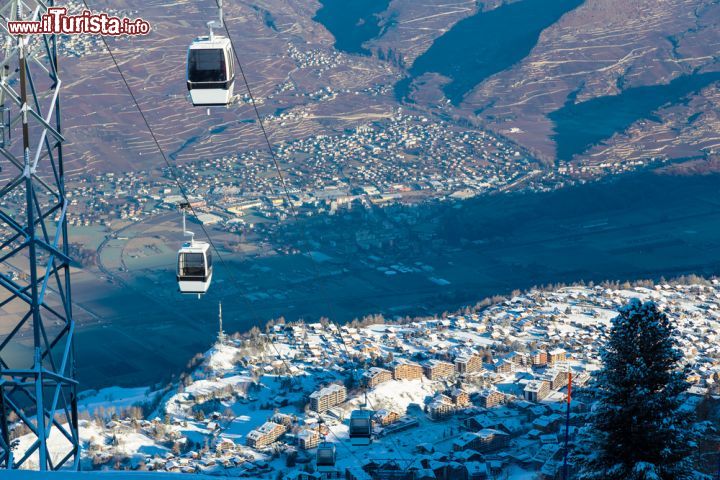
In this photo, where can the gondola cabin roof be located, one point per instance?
(361, 415)
(326, 446)
(205, 43)
(195, 247)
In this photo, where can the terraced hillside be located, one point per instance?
(522, 69)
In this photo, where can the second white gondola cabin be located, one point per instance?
(211, 71)
(361, 427)
(194, 269)
(325, 457)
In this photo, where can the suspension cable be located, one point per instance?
(174, 175)
(177, 179)
(261, 123)
(185, 196)
(287, 195)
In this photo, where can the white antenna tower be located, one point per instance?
(221, 333)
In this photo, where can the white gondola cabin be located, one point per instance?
(361, 427)
(194, 265)
(211, 71)
(194, 270)
(325, 458)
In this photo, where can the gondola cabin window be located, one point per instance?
(207, 65)
(192, 265)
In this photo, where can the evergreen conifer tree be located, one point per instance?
(637, 429)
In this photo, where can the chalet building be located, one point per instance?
(308, 439)
(484, 421)
(536, 390)
(224, 446)
(478, 422)
(557, 355)
(460, 397)
(385, 417)
(375, 376)
(490, 398)
(370, 351)
(468, 364)
(441, 407)
(324, 399)
(486, 440)
(282, 419)
(519, 358)
(504, 366)
(407, 371)
(548, 423)
(438, 370)
(264, 435)
(476, 471)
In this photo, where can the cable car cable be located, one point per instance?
(367, 399)
(281, 178)
(278, 169)
(157, 143)
(176, 178)
(260, 121)
(183, 191)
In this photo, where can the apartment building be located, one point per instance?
(441, 407)
(264, 435)
(308, 439)
(504, 366)
(557, 355)
(557, 378)
(386, 417)
(490, 398)
(403, 370)
(536, 390)
(468, 364)
(539, 357)
(438, 370)
(324, 399)
(459, 397)
(375, 376)
(486, 440)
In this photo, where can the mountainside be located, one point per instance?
(608, 48)
(521, 69)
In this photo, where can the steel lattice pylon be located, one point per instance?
(38, 390)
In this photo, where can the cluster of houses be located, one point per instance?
(482, 393)
(234, 187)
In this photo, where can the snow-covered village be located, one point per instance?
(359, 240)
(481, 394)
